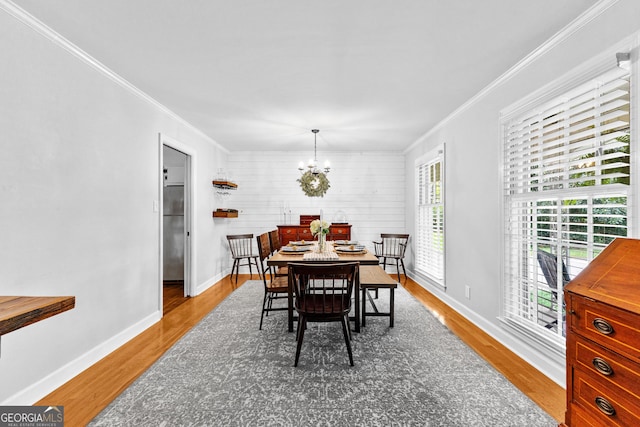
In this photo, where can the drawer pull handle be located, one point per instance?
(604, 406)
(602, 366)
(602, 326)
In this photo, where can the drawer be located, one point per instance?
(287, 234)
(620, 373)
(602, 402)
(339, 230)
(289, 231)
(606, 325)
(304, 234)
(580, 417)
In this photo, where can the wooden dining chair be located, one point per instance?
(275, 245)
(392, 246)
(274, 241)
(323, 294)
(275, 287)
(241, 246)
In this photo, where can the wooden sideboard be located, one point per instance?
(603, 339)
(295, 232)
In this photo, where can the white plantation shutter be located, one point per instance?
(566, 188)
(430, 216)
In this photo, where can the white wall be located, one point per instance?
(473, 180)
(79, 172)
(368, 187)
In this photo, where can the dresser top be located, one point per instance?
(613, 277)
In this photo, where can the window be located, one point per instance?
(430, 216)
(566, 191)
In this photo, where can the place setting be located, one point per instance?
(351, 248)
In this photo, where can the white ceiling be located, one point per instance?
(259, 75)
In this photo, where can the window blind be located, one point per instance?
(430, 217)
(566, 188)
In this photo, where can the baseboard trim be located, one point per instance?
(209, 283)
(551, 368)
(51, 382)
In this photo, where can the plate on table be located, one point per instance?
(345, 242)
(352, 249)
(300, 243)
(295, 249)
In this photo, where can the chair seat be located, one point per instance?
(310, 304)
(279, 284)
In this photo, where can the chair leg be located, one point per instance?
(250, 271)
(346, 338)
(404, 270)
(398, 268)
(264, 301)
(235, 266)
(256, 261)
(302, 323)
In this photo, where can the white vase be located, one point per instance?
(322, 238)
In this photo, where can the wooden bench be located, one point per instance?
(374, 277)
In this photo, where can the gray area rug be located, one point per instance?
(225, 372)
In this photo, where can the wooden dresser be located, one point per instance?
(603, 339)
(294, 232)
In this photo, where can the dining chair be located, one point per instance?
(275, 287)
(392, 246)
(323, 294)
(549, 265)
(274, 241)
(275, 245)
(241, 246)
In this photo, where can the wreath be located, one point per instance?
(314, 185)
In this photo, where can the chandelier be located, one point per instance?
(314, 181)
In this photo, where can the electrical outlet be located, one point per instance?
(467, 291)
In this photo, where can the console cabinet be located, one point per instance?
(289, 233)
(603, 339)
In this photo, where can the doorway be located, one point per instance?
(175, 210)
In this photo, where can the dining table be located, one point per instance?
(334, 252)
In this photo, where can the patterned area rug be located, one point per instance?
(225, 372)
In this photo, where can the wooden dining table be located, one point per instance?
(282, 258)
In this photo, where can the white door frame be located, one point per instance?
(189, 217)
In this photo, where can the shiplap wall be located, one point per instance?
(367, 187)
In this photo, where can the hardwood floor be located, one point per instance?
(84, 396)
(172, 296)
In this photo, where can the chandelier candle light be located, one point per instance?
(314, 181)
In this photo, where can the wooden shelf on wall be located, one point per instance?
(225, 213)
(227, 185)
(222, 187)
(19, 311)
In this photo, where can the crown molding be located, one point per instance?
(574, 26)
(48, 33)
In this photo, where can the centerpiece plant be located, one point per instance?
(320, 229)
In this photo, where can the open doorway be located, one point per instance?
(175, 224)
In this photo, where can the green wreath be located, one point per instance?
(314, 185)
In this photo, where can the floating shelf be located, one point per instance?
(20, 311)
(225, 213)
(225, 185)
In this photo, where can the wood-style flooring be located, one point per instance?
(84, 396)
